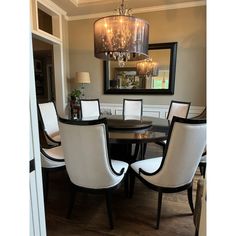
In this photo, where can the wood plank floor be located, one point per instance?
(136, 216)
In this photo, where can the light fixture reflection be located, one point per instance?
(147, 68)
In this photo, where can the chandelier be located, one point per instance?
(147, 68)
(121, 37)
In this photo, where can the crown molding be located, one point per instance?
(53, 7)
(141, 10)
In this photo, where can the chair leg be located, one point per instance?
(72, 200)
(159, 209)
(202, 167)
(109, 209)
(190, 198)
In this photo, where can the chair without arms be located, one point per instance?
(132, 109)
(90, 108)
(52, 159)
(203, 162)
(85, 144)
(176, 108)
(174, 171)
(49, 122)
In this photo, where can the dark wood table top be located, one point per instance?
(148, 129)
(116, 122)
(142, 136)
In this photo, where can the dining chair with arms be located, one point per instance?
(52, 159)
(176, 108)
(90, 108)
(48, 119)
(174, 172)
(132, 109)
(85, 144)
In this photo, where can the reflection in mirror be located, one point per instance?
(155, 75)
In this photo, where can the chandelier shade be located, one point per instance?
(121, 37)
(147, 67)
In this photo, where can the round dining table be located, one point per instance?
(125, 132)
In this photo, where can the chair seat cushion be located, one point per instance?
(148, 165)
(57, 157)
(118, 165)
(56, 137)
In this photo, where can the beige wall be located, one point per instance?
(186, 26)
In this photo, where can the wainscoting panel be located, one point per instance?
(148, 110)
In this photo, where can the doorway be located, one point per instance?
(44, 71)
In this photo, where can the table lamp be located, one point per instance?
(82, 78)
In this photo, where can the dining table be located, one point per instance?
(124, 134)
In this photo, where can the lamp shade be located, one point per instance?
(82, 77)
(121, 37)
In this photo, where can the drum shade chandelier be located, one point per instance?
(121, 37)
(147, 67)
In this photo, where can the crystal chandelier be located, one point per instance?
(147, 67)
(121, 37)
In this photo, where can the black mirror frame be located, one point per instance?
(173, 54)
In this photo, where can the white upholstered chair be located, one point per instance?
(176, 108)
(90, 108)
(203, 162)
(52, 159)
(48, 120)
(132, 109)
(85, 144)
(174, 171)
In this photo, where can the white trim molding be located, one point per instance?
(148, 110)
(141, 10)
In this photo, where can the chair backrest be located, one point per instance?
(178, 108)
(185, 144)
(85, 147)
(90, 108)
(48, 117)
(132, 109)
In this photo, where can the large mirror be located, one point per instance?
(134, 78)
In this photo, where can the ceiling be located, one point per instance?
(93, 8)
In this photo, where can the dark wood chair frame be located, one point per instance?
(160, 189)
(106, 191)
(46, 171)
(202, 166)
(81, 110)
(42, 126)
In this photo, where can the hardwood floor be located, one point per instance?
(136, 216)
